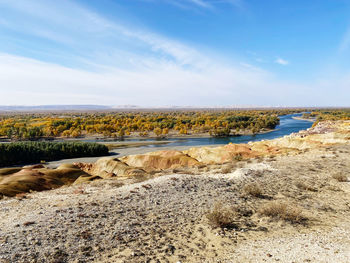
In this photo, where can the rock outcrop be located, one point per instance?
(107, 167)
(16, 180)
(160, 160)
(39, 178)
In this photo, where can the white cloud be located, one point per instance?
(345, 43)
(282, 61)
(118, 64)
(200, 3)
(207, 4)
(26, 81)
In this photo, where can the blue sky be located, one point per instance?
(175, 52)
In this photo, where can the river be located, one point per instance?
(287, 126)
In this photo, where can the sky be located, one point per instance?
(175, 52)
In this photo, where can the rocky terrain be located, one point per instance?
(285, 200)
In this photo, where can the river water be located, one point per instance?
(287, 126)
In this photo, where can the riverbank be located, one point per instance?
(118, 145)
(135, 137)
(166, 218)
(304, 119)
(287, 126)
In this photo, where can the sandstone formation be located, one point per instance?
(39, 178)
(110, 167)
(14, 181)
(160, 160)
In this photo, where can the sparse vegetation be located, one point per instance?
(238, 157)
(227, 168)
(222, 216)
(305, 186)
(329, 114)
(340, 177)
(253, 189)
(283, 210)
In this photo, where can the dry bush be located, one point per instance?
(284, 211)
(340, 177)
(204, 169)
(153, 172)
(304, 186)
(238, 157)
(79, 190)
(116, 184)
(227, 169)
(222, 216)
(253, 189)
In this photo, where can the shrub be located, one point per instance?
(284, 211)
(222, 216)
(340, 177)
(227, 168)
(253, 189)
(238, 157)
(304, 186)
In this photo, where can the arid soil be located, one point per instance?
(165, 219)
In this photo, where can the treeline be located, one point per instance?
(152, 123)
(329, 114)
(34, 152)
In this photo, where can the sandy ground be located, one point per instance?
(164, 219)
(305, 119)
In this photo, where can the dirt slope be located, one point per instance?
(164, 219)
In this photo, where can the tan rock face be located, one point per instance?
(29, 179)
(222, 154)
(160, 160)
(323, 134)
(110, 167)
(38, 178)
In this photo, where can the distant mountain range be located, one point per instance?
(55, 108)
(20, 108)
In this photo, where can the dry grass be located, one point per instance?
(305, 186)
(222, 216)
(253, 189)
(227, 168)
(340, 177)
(284, 211)
(238, 157)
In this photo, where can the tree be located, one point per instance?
(157, 131)
(165, 131)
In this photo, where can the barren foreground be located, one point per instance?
(288, 208)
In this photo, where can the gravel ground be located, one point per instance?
(164, 219)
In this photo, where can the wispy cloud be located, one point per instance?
(162, 84)
(201, 3)
(282, 61)
(345, 42)
(206, 4)
(115, 63)
(82, 29)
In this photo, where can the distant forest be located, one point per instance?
(328, 114)
(33, 152)
(33, 126)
